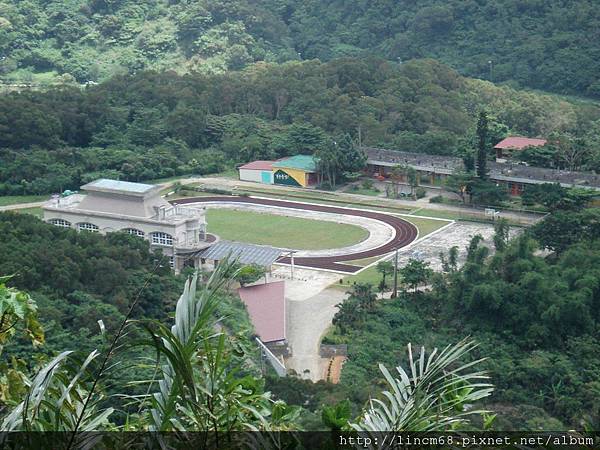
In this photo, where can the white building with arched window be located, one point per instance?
(137, 209)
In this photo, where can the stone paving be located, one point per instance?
(457, 233)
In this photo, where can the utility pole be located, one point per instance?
(395, 293)
(491, 63)
(292, 265)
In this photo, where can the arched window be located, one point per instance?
(60, 223)
(134, 231)
(85, 226)
(160, 238)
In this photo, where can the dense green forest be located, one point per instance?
(148, 89)
(535, 317)
(78, 279)
(543, 44)
(152, 125)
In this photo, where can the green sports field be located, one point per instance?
(282, 231)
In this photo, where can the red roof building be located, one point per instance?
(505, 147)
(258, 165)
(257, 171)
(266, 307)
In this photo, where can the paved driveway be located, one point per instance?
(307, 321)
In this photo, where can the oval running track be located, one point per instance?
(406, 232)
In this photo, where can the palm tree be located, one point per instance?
(365, 296)
(385, 268)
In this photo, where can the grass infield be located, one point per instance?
(282, 231)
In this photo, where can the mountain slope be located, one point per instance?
(545, 44)
(94, 39)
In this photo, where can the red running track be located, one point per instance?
(406, 232)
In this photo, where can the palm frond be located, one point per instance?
(194, 322)
(433, 395)
(56, 397)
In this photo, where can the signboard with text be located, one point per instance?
(280, 177)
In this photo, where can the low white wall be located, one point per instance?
(250, 175)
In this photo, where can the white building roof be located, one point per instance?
(120, 187)
(125, 201)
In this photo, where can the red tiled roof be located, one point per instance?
(258, 165)
(519, 143)
(266, 306)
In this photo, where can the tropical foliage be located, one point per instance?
(534, 317)
(198, 384)
(432, 396)
(196, 387)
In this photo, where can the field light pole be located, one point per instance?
(292, 263)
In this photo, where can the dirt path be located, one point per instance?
(335, 369)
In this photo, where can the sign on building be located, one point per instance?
(281, 177)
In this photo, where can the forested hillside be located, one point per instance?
(150, 125)
(544, 44)
(78, 279)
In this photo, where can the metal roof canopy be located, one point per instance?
(261, 255)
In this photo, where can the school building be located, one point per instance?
(432, 170)
(298, 171)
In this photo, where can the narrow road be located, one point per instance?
(307, 321)
(21, 206)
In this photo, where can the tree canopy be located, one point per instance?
(155, 125)
(531, 44)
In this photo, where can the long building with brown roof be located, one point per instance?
(433, 169)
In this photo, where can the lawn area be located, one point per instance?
(38, 212)
(282, 231)
(438, 213)
(16, 199)
(426, 226)
(369, 275)
(362, 191)
(363, 262)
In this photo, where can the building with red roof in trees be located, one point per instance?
(505, 147)
(257, 171)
